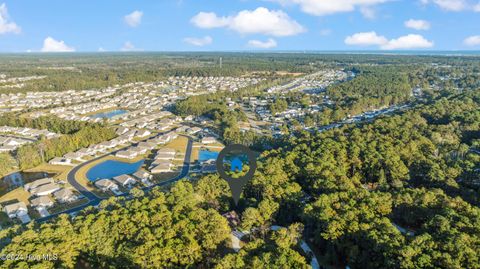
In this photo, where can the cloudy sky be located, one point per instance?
(184, 25)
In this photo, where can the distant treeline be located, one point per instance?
(76, 135)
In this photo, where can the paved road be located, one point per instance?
(94, 200)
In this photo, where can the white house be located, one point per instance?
(106, 185)
(42, 201)
(125, 180)
(45, 189)
(64, 196)
(17, 210)
(60, 161)
(209, 140)
(142, 133)
(127, 154)
(161, 168)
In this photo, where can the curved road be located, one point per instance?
(94, 200)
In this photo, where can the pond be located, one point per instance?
(111, 168)
(205, 155)
(19, 178)
(108, 114)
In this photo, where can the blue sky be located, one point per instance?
(209, 25)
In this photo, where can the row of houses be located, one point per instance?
(42, 191)
(12, 143)
(142, 147)
(162, 162)
(28, 132)
(40, 99)
(126, 137)
(126, 181)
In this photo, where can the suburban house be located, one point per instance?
(17, 210)
(127, 154)
(144, 177)
(209, 140)
(121, 130)
(106, 185)
(45, 189)
(138, 150)
(40, 187)
(42, 201)
(142, 133)
(161, 168)
(146, 145)
(64, 196)
(73, 156)
(60, 161)
(125, 180)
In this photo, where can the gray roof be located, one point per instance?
(40, 201)
(63, 193)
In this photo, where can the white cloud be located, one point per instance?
(449, 5)
(52, 45)
(258, 21)
(417, 24)
(472, 41)
(269, 44)
(411, 41)
(325, 32)
(100, 49)
(199, 42)
(327, 7)
(209, 20)
(128, 46)
(365, 39)
(7, 26)
(476, 8)
(134, 19)
(368, 12)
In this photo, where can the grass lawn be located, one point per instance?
(18, 194)
(179, 144)
(62, 207)
(61, 171)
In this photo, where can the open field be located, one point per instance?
(60, 171)
(18, 194)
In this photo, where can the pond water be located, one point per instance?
(108, 114)
(205, 155)
(110, 169)
(20, 178)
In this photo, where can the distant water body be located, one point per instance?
(109, 114)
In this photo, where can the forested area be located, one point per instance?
(178, 229)
(372, 88)
(76, 135)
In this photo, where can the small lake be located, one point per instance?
(109, 114)
(111, 168)
(205, 155)
(20, 178)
